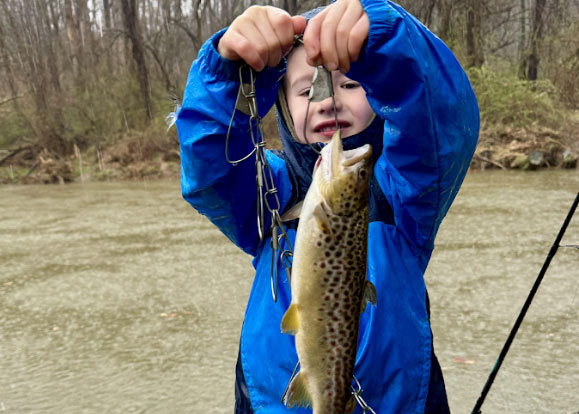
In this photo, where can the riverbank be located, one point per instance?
(136, 158)
(527, 148)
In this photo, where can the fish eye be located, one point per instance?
(362, 173)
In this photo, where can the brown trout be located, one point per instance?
(328, 283)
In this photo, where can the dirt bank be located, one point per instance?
(530, 148)
(129, 159)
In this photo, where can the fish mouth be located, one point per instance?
(356, 155)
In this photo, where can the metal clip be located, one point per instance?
(274, 259)
(358, 396)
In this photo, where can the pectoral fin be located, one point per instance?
(293, 213)
(369, 295)
(297, 393)
(289, 322)
(322, 219)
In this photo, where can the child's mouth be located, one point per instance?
(329, 127)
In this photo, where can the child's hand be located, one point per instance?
(335, 37)
(260, 36)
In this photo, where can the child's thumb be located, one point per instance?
(299, 23)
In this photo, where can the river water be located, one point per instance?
(120, 298)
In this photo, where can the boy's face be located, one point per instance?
(354, 111)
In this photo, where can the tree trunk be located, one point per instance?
(74, 36)
(536, 35)
(445, 30)
(107, 38)
(132, 27)
(474, 51)
(10, 78)
(523, 39)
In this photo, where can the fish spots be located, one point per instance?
(339, 269)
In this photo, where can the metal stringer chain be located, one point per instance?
(357, 393)
(267, 198)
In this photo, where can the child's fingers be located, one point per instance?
(312, 38)
(279, 32)
(335, 36)
(268, 45)
(358, 36)
(328, 45)
(281, 22)
(343, 32)
(299, 23)
(234, 46)
(260, 36)
(252, 48)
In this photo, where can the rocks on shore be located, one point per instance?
(524, 149)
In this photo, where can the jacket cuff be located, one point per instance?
(382, 18)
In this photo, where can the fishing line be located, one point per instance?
(511, 337)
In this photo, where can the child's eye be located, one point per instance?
(305, 92)
(351, 85)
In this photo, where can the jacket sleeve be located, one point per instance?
(225, 193)
(414, 82)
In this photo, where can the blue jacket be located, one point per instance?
(427, 129)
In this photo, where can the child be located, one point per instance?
(398, 88)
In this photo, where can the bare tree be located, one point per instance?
(536, 35)
(474, 48)
(132, 27)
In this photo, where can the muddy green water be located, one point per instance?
(120, 298)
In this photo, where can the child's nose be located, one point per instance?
(327, 105)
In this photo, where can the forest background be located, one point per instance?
(86, 85)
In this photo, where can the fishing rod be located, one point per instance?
(503, 354)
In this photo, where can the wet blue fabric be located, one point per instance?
(430, 127)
